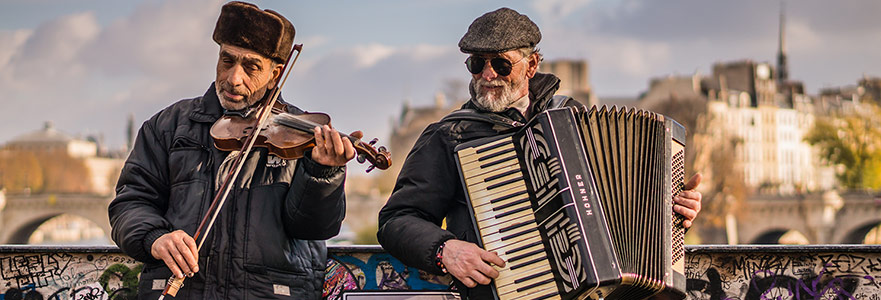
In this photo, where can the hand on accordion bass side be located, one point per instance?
(688, 202)
(469, 263)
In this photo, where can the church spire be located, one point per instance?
(782, 68)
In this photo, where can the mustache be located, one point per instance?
(494, 82)
(226, 87)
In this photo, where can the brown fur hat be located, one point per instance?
(265, 31)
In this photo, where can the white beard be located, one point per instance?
(491, 101)
(238, 105)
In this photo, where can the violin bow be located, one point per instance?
(174, 284)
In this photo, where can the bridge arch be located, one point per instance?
(22, 215)
(857, 235)
(21, 233)
(780, 236)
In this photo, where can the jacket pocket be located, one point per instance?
(188, 160)
(185, 204)
(152, 281)
(271, 283)
(267, 243)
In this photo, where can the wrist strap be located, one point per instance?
(439, 258)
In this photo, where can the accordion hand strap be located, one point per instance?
(474, 115)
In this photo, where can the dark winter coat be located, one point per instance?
(267, 243)
(428, 188)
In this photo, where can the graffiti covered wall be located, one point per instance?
(784, 272)
(67, 274)
(717, 273)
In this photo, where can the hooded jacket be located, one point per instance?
(428, 188)
(267, 242)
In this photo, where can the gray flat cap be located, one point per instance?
(499, 31)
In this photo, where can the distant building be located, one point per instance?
(744, 104)
(839, 100)
(870, 89)
(103, 169)
(672, 88)
(50, 140)
(406, 129)
(574, 79)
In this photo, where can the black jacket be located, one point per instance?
(428, 188)
(267, 242)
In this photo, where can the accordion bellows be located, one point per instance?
(579, 204)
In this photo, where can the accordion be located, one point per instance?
(579, 203)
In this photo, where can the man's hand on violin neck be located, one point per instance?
(331, 149)
(178, 250)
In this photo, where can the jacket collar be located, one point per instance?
(207, 109)
(542, 87)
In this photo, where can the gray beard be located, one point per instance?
(230, 105)
(485, 101)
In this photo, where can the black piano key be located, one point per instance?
(525, 255)
(498, 145)
(515, 226)
(549, 295)
(513, 211)
(506, 197)
(506, 205)
(495, 177)
(503, 183)
(506, 159)
(514, 235)
(521, 248)
(497, 154)
(536, 275)
(526, 263)
(543, 282)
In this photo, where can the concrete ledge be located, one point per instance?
(713, 272)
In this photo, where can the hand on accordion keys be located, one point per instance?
(469, 263)
(688, 202)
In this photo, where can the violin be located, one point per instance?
(288, 136)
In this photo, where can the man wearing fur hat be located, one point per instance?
(503, 60)
(268, 241)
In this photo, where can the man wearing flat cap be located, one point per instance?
(268, 240)
(506, 91)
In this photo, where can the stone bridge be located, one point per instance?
(21, 214)
(821, 218)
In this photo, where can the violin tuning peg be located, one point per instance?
(381, 149)
(361, 158)
(370, 168)
(373, 141)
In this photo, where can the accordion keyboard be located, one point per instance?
(506, 222)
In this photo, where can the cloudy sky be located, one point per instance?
(88, 64)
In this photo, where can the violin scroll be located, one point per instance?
(378, 157)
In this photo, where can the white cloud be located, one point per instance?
(49, 55)
(169, 38)
(138, 64)
(363, 86)
(10, 42)
(800, 35)
(368, 55)
(313, 41)
(552, 9)
(424, 52)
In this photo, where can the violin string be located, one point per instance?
(298, 123)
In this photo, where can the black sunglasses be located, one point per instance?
(501, 65)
